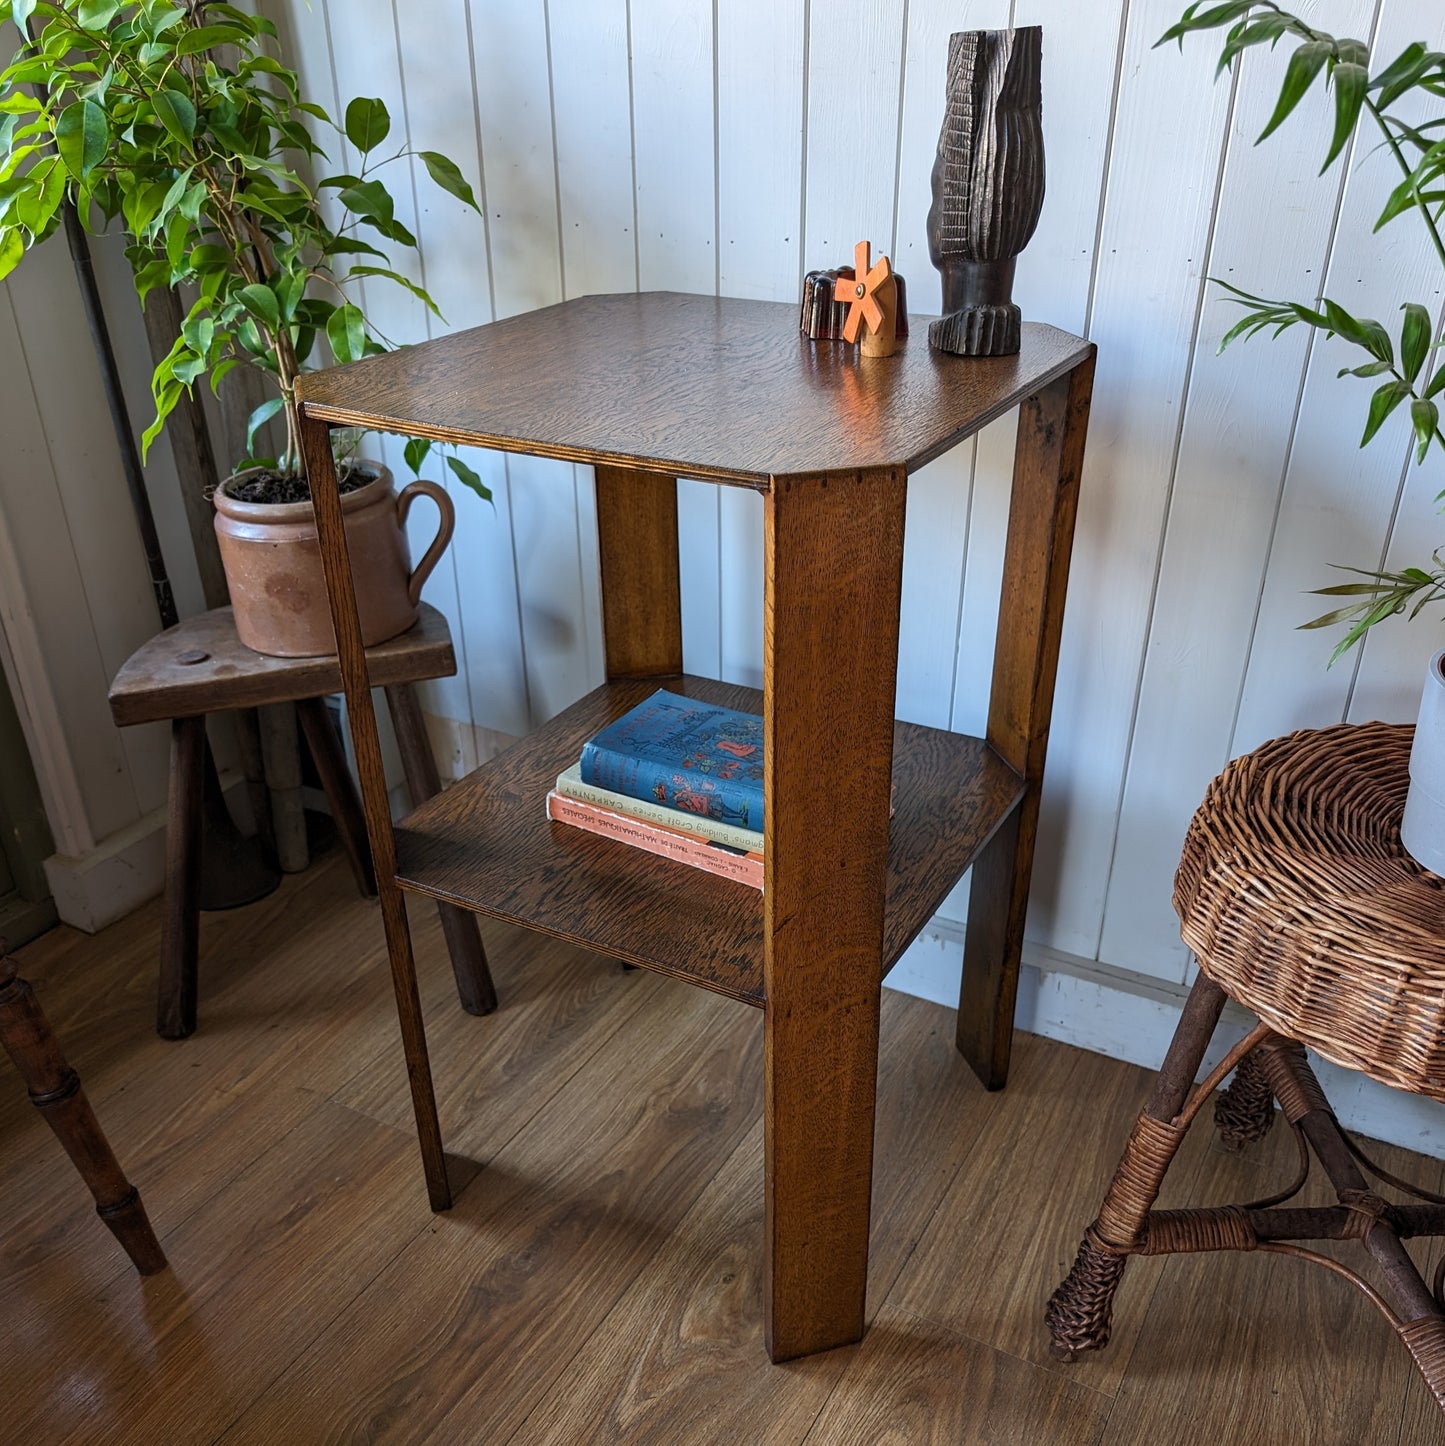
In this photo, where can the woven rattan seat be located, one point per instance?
(1297, 896)
(1301, 904)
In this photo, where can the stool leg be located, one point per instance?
(176, 998)
(325, 746)
(1079, 1314)
(1244, 1111)
(55, 1091)
(464, 940)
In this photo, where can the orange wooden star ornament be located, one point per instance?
(873, 295)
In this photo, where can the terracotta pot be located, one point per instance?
(273, 565)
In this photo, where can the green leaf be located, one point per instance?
(367, 123)
(415, 452)
(1437, 383)
(1424, 417)
(346, 331)
(96, 14)
(1370, 369)
(1414, 339)
(261, 302)
(80, 136)
(197, 333)
(34, 208)
(400, 280)
(1400, 74)
(447, 175)
(176, 113)
(259, 418)
(20, 12)
(12, 248)
(207, 37)
(369, 198)
(1304, 65)
(463, 473)
(1350, 81)
(1384, 401)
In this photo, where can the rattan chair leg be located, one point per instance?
(1244, 1110)
(1079, 1314)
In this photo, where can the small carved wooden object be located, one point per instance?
(988, 186)
(55, 1091)
(828, 298)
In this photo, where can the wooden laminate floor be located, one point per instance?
(597, 1279)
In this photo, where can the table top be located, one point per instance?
(201, 666)
(695, 386)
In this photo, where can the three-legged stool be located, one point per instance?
(55, 1091)
(200, 667)
(1300, 902)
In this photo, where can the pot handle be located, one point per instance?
(423, 569)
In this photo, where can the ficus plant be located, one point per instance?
(1401, 364)
(178, 124)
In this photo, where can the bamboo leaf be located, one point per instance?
(1350, 81)
(1424, 417)
(1384, 401)
(1304, 65)
(1414, 340)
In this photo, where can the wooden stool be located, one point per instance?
(1301, 904)
(55, 1091)
(201, 667)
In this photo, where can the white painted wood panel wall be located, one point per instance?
(728, 145)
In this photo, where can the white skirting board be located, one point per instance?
(1129, 1016)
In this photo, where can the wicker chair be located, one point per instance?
(1300, 903)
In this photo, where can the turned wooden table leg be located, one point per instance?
(351, 655)
(55, 1091)
(464, 939)
(1047, 463)
(325, 748)
(180, 930)
(834, 567)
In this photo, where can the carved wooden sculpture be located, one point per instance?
(988, 186)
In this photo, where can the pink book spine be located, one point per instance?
(667, 843)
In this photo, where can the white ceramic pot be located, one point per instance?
(1422, 830)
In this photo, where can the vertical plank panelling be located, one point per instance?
(53, 584)
(936, 531)
(855, 54)
(1055, 272)
(1168, 136)
(367, 62)
(441, 116)
(1272, 237)
(1338, 498)
(675, 138)
(514, 94)
(760, 178)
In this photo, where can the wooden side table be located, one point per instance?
(201, 666)
(655, 386)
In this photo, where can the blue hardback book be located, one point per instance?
(697, 757)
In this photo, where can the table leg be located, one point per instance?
(351, 654)
(55, 1091)
(180, 929)
(834, 566)
(641, 590)
(326, 753)
(1047, 463)
(464, 939)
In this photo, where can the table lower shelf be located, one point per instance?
(487, 844)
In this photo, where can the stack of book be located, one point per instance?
(676, 777)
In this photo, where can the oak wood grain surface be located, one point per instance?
(155, 683)
(698, 386)
(276, 1154)
(485, 843)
